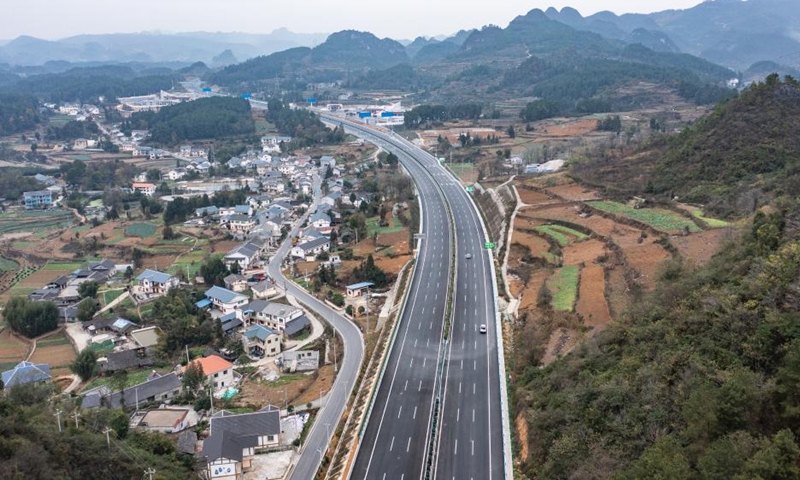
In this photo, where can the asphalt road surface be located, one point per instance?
(469, 444)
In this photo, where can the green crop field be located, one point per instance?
(143, 230)
(711, 222)
(558, 237)
(35, 221)
(7, 265)
(659, 219)
(563, 286)
(111, 295)
(71, 266)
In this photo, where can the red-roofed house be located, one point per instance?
(217, 370)
(145, 188)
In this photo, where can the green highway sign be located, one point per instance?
(470, 189)
(488, 245)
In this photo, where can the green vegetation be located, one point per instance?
(563, 286)
(35, 448)
(111, 295)
(63, 266)
(18, 113)
(143, 230)
(30, 319)
(206, 118)
(711, 222)
(7, 265)
(129, 379)
(710, 360)
(373, 227)
(13, 182)
(86, 84)
(440, 113)
(659, 219)
(733, 161)
(561, 234)
(303, 126)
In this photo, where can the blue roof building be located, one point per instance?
(25, 373)
(154, 276)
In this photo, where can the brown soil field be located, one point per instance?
(397, 240)
(12, 349)
(570, 128)
(392, 265)
(585, 252)
(618, 294)
(159, 262)
(592, 305)
(57, 356)
(646, 259)
(522, 433)
(531, 290)
(41, 278)
(262, 393)
(574, 193)
(323, 383)
(698, 248)
(561, 342)
(225, 246)
(532, 197)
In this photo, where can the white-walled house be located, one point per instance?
(309, 250)
(155, 282)
(225, 300)
(217, 370)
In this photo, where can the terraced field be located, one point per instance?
(36, 221)
(659, 219)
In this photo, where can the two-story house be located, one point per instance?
(225, 300)
(270, 314)
(154, 282)
(259, 340)
(217, 370)
(235, 439)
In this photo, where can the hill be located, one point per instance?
(700, 379)
(742, 156)
(340, 53)
(205, 118)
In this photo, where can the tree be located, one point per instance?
(30, 319)
(153, 175)
(214, 271)
(511, 132)
(85, 366)
(86, 310)
(193, 378)
(88, 289)
(168, 233)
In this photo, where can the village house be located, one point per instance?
(236, 282)
(309, 250)
(38, 199)
(217, 370)
(270, 314)
(157, 388)
(25, 373)
(223, 299)
(147, 189)
(240, 224)
(165, 420)
(299, 361)
(320, 220)
(259, 341)
(153, 282)
(244, 255)
(235, 439)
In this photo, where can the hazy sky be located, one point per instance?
(53, 19)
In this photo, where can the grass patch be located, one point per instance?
(142, 230)
(711, 222)
(287, 379)
(373, 226)
(7, 265)
(71, 267)
(111, 295)
(52, 342)
(659, 219)
(563, 286)
(557, 236)
(133, 378)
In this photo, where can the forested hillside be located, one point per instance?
(18, 113)
(214, 117)
(742, 156)
(700, 379)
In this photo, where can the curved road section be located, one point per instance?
(318, 439)
(463, 375)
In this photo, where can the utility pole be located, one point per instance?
(107, 431)
(76, 416)
(335, 365)
(58, 419)
(367, 332)
(150, 472)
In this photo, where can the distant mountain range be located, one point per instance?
(733, 33)
(152, 47)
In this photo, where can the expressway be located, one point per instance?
(471, 442)
(318, 438)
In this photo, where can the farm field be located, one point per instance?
(374, 227)
(12, 350)
(563, 286)
(35, 221)
(562, 235)
(592, 304)
(8, 265)
(141, 230)
(659, 219)
(56, 351)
